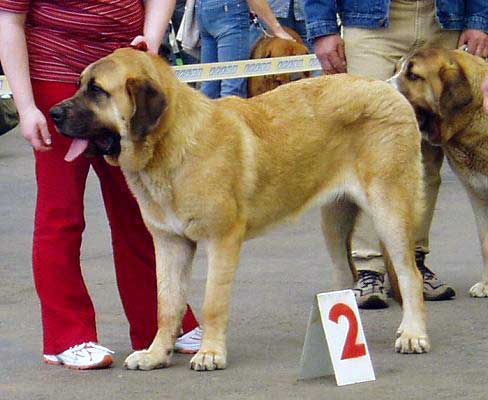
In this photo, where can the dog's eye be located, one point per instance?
(413, 77)
(96, 90)
(410, 75)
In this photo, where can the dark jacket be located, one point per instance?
(321, 15)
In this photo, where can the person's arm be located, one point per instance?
(323, 31)
(263, 11)
(13, 55)
(157, 16)
(475, 35)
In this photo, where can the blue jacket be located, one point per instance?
(321, 15)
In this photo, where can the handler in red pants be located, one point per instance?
(57, 40)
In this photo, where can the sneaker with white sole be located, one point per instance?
(189, 343)
(370, 290)
(434, 288)
(82, 356)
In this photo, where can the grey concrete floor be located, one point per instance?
(277, 279)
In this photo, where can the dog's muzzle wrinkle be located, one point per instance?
(108, 143)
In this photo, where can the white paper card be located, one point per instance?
(345, 337)
(315, 361)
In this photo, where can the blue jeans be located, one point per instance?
(224, 31)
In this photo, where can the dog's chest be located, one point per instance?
(155, 200)
(479, 184)
(471, 166)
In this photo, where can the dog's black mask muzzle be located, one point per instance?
(107, 143)
(80, 123)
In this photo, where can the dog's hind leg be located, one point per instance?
(223, 257)
(337, 225)
(174, 256)
(393, 216)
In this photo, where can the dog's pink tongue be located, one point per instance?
(77, 147)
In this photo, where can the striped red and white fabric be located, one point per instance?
(64, 36)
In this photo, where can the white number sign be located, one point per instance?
(335, 341)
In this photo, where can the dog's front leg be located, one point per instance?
(480, 210)
(174, 256)
(223, 257)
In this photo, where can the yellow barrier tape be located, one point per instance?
(247, 68)
(230, 70)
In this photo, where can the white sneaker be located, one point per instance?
(189, 343)
(82, 356)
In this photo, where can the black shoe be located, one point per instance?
(434, 288)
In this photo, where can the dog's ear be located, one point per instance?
(456, 91)
(148, 104)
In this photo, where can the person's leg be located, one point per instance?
(68, 317)
(208, 50)
(373, 53)
(411, 24)
(134, 257)
(232, 36)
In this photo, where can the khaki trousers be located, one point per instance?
(374, 53)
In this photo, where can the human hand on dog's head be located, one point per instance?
(484, 89)
(142, 43)
(476, 42)
(279, 32)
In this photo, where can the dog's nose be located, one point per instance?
(57, 114)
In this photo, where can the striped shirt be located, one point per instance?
(64, 36)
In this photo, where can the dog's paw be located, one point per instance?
(479, 290)
(146, 360)
(409, 343)
(208, 361)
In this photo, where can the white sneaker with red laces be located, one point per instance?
(189, 343)
(82, 356)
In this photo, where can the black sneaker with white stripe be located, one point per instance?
(370, 290)
(434, 288)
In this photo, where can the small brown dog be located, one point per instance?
(269, 47)
(444, 87)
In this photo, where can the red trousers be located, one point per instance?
(68, 316)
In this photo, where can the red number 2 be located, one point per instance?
(351, 348)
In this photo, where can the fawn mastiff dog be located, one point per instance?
(218, 172)
(444, 87)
